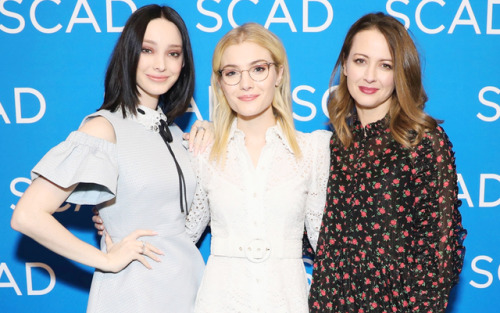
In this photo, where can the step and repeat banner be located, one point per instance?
(53, 58)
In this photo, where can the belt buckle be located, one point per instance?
(258, 250)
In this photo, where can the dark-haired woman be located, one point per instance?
(128, 159)
(391, 236)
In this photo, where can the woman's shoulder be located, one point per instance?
(99, 125)
(436, 137)
(315, 137)
(315, 144)
(434, 148)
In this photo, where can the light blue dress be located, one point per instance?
(136, 185)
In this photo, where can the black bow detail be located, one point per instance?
(165, 132)
(166, 135)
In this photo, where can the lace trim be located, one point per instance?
(151, 119)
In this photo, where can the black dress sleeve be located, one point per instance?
(439, 235)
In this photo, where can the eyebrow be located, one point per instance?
(252, 63)
(155, 43)
(364, 55)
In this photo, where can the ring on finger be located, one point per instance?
(143, 247)
(200, 128)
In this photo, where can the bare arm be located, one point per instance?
(33, 217)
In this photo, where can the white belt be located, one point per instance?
(257, 250)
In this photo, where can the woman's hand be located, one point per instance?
(98, 224)
(200, 136)
(129, 249)
(33, 217)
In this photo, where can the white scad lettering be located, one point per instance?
(34, 21)
(109, 14)
(489, 19)
(41, 111)
(482, 191)
(418, 17)
(16, 16)
(304, 103)
(324, 100)
(491, 104)
(471, 21)
(287, 19)
(309, 29)
(217, 17)
(3, 114)
(395, 14)
(486, 273)
(210, 102)
(82, 20)
(465, 193)
(230, 11)
(11, 282)
(67, 206)
(29, 279)
(14, 190)
(194, 108)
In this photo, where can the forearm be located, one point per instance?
(33, 217)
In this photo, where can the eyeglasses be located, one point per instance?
(258, 73)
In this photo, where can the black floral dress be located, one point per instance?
(391, 236)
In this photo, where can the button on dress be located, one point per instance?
(257, 216)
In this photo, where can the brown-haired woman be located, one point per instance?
(391, 236)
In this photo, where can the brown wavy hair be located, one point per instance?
(408, 121)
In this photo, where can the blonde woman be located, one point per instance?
(259, 185)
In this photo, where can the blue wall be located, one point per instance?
(52, 61)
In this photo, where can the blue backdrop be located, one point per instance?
(52, 61)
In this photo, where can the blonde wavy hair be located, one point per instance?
(408, 121)
(223, 116)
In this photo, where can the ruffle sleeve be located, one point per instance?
(85, 160)
(439, 238)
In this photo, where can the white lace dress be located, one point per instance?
(257, 217)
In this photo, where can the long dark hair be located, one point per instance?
(120, 86)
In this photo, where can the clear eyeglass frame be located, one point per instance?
(255, 75)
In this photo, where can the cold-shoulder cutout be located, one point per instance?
(100, 127)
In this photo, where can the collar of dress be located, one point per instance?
(372, 128)
(274, 134)
(150, 118)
